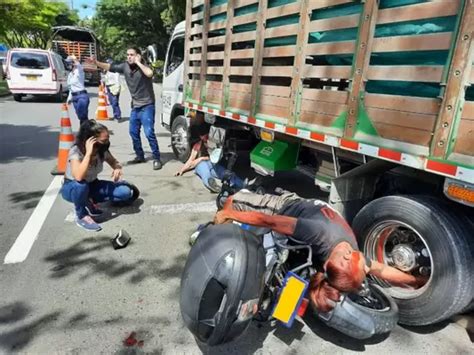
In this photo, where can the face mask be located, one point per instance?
(103, 147)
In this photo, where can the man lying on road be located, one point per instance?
(315, 223)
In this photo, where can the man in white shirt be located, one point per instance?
(77, 90)
(112, 83)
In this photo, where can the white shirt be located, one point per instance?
(112, 81)
(75, 79)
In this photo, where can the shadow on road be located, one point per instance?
(19, 143)
(26, 199)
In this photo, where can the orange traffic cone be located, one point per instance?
(66, 139)
(101, 114)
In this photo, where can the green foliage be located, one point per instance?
(28, 23)
(123, 23)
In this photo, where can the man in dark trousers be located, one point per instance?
(139, 81)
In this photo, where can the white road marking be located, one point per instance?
(22, 246)
(197, 207)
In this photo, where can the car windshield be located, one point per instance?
(29, 60)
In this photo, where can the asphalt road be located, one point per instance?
(75, 294)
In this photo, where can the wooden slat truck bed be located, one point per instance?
(391, 78)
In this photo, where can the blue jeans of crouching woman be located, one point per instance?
(80, 193)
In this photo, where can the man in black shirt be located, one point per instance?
(315, 223)
(139, 81)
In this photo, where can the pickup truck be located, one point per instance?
(78, 41)
(374, 99)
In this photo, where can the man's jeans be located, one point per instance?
(114, 102)
(145, 116)
(80, 192)
(206, 170)
(81, 105)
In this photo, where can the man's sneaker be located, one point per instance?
(213, 185)
(194, 237)
(93, 211)
(88, 224)
(157, 164)
(137, 160)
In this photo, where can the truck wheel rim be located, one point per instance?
(179, 139)
(400, 245)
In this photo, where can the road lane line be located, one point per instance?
(22, 246)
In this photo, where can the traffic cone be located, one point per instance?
(66, 140)
(101, 114)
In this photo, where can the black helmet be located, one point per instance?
(222, 283)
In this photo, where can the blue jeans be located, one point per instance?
(81, 105)
(114, 102)
(80, 192)
(145, 116)
(206, 170)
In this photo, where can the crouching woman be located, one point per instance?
(81, 185)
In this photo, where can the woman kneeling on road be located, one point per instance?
(81, 185)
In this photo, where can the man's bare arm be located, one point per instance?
(393, 275)
(280, 224)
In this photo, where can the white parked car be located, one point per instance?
(36, 72)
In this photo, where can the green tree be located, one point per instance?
(120, 23)
(28, 23)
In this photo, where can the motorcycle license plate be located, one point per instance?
(290, 299)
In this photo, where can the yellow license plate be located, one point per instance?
(31, 77)
(290, 299)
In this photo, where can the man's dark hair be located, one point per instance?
(136, 49)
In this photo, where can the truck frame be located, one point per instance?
(375, 96)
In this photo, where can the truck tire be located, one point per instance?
(17, 97)
(180, 138)
(423, 236)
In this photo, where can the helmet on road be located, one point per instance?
(222, 283)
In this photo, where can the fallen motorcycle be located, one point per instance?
(236, 273)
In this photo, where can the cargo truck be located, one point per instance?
(81, 42)
(374, 99)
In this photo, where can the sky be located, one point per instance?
(83, 13)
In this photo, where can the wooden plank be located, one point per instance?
(418, 11)
(361, 63)
(458, 75)
(274, 100)
(284, 10)
(271, 110)
(283, 91)
(246, 88)
(216, 40)
(436, 41)
(325, 95)
(406, 103)
(196, 3)
(327, 71)
(282, 31)
(403, 119)
(246, 71)
(195, 57)
(471, 79)
(283, 51)
(194, 83)
(327, 108)
(197, 16)
(427, 73)
(187, 49)
(464, 139)
(240, 103)
(257, 61)
(335, 23)
(342, 47)
(205, 27)
(195, 30)
(218, 9)
(468, 111)
(317, 118)
(242, 3)
(215, 55)
(215, 70)
(214, 85)
(244, 19)
(321, 4)
(217, 25)
(227, 52)
(196, 93)
(197, 43)
(242, 53)
(194, 70)
(403, 134)
(276, 71)
(243, 37)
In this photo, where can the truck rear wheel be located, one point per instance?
(180, 139)
(17, 97)
(425, 237)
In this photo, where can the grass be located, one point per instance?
(3, 88)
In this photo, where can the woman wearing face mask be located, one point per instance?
(81, 185)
